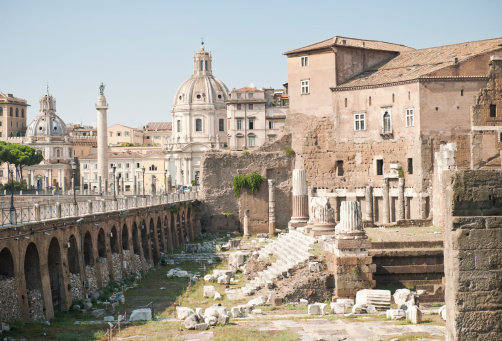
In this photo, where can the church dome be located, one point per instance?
(47, 123)
(202, 89)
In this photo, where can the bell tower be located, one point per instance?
(202, 62)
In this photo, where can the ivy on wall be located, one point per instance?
(250, 181)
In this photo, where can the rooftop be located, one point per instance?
(157, 126)
(352, 42)
(416, 64)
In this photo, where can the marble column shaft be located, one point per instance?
(400, 200)
(369, 203)
(246, 223)
(300, 196)
(271, 207)
(386, 206)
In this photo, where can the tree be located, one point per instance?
(19, 155)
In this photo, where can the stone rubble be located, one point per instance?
(76, 287)
(105, 274)
(8, 299)
(378, 298)
(36, 303)
(117, 266)
(413, 314)
(90, 274)
(144, 314)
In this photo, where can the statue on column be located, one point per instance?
(102, 88)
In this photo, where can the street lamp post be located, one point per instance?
(12, 210)
(74, 168)
(118, 182)
(143, 171)
(114, 168)
(165, 179)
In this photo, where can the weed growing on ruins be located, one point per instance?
(251, 182)
(316, 249)
(245, 152)
(356, 271)
(289, 152)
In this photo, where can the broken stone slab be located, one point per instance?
(314, 309)
(183, 312)
(258, 301)
(211, 321)
(269, 284)
(223, 319)
(337, 308)
(323, 308)
(247, 291)
(108, 318)
(413, 314)
(98, 312)
(314, 267)
(144, 314)
(218, 273)
(370, 309)
(236, 259)
(235, 311)
(182, 274)
(256, 312)
(201, 326)
(245, 308)
(5, 327)
(401, 296)
(209, 278)
(395, 314)
(348, 302)
(217, 296)
(198, 311)
(442, 312)
(303, 302)
(208, 291)
(191, 321)
(87, 305)
(76, 307)
(224, 280)
(357, 308)
(379, 298)
(215, 310)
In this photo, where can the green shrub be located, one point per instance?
(251, 182)
(245, 152)
(289, 152)
(18, 186)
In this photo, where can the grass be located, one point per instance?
(316, 249)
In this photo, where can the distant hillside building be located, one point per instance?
(13, 114)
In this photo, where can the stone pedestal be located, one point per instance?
(271, 207)
(300, 215)
(324, 217)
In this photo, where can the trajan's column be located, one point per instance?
(102, 107)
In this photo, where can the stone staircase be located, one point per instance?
(290, 249)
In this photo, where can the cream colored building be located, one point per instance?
(118, 134)
(254, 117)
(13, 114)
(129, 171)
(199, 120)
(156, 133)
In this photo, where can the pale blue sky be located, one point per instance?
(142, 50)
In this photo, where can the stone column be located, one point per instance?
(102, 130)
(168, 183)
(50, 178)
(400, 200)
(134, 186)
(385, 194)
(271, 207)
(246, 224)
(369, 205)
(63, 184)
(324, 217)
(33, 178)
(351, 222)
(100, 188)
(310, 222)
(59, 177)
(300, 215)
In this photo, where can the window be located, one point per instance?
(462, 92)
(345, 103)
(96, 176)
(493, 110)
(84, 166)
(205, 64)
(127, 165)
(119, 165)
(251, 124)
(110, 134)
(379, 166)
(500, 136)
(239, 124)
(393, 98)
(251, 106)
(339, 168)
(22, 113)
(147, 137)
(119, 133)
(239, 106)
(95, 166)
(201, 68)
(127, 175)
(305, 87)
(156, 137)
(360, 121)
(387, 126)
(410, 165)
(221, 124)
(250, 96)
(126, 133)
(17, 112)
(178, 126)
(238, 96)
(137, 165)
(305, 61)
(1, 111)
(1, 173)
(270, 124)
(251, 141)
(10, 112)
(410, 120)
(271, 138)
(369, 101)
(198, 124)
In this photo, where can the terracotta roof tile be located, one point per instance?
(157, 126)
(415, 64)
(352, 42)
(247, 89)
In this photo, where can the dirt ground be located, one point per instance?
(403, 234)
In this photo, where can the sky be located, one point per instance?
(143, 50)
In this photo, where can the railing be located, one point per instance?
(42, 212)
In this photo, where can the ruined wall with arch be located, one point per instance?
(45, 266)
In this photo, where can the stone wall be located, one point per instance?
(217, 196)
(473, 254)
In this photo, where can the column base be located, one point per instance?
(297, 222)
(323, 230)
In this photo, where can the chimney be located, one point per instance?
(10, 95)
(344, 42)
(456, 60)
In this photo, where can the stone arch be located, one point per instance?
(56, 275)
(74, 268)
(114, 243)
(103, 260)
(115, 249)
(154, 245)
(136, 247)
(179, 230)
(145, 243)
(174, 234)
(159, 235)
(125, 238)
(167, 233)
(184, 226)
(9, 309)
(189, 224)
(88, 251)
(33, 281)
